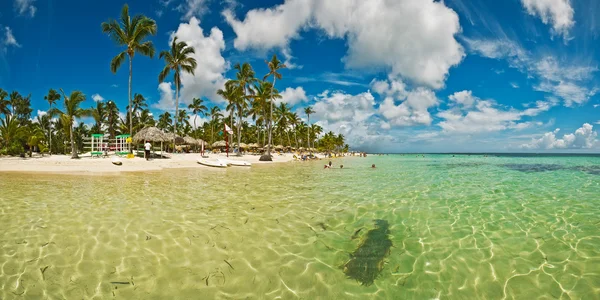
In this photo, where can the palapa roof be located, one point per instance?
(189, 140)
(201, 142)
(178, 140)
(242, 145)
(279, 147)
(253, 145)
(219, 144)
(152, 134)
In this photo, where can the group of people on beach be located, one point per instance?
(330, 166)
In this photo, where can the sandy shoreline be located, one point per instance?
(97, 166)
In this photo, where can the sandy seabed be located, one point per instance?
(89, 165)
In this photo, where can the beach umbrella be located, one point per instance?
(253, 146)
(279, 147)
(219, 144)
(178, 140)
(201, 142)
(242, 145)
(190, 141)
(152, 134)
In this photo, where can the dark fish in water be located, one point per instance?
(366, 262)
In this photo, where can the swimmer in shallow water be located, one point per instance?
(373, 166)
(341, 166)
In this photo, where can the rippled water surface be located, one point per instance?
(465, 227)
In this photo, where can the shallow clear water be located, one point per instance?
(465, 227)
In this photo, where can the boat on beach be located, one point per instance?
(236, 163)
(213, 163)
(116, 161)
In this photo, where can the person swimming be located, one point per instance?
(341, 166)
(373, 166)
(330, 164)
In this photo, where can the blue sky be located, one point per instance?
(391, 75)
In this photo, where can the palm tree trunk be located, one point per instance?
(271, 118)
(212, 129)
(295, 135)
(196, 128)
(239, 130)
(129, 109)
(176, 114)
(50, 132)
(73, 146)
(308, 132)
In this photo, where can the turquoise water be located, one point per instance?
(464, 227)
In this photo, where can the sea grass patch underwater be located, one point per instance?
(366, 262)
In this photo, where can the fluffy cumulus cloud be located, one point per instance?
(569, 81)
(167, 97)
(208, 75)
(293, 96)
(9, 39)
(469, 114)
(97, 97)
(583, 138)
(557, 13)
(350, 115)
(402, 107)
(25, 7)
(376, 33)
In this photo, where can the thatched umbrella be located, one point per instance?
(279, 147)
(253, 146)
(219, 144)
(242, 145)
(178, 140)
(201, 142)
(152, 134)
(189, 140)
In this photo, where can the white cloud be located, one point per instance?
(25, 7)
(376, 33)
(9, 38)
(293, 96)
(114, 85)
(558, 13)
(480, 116)
(167, 97)
(567, 80)
(208, 76)
(583, 138)
(414, 105)
(192, 8)
(97, 97)
(514, 85)
(596, 105)
(597, 123)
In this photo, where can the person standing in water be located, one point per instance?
(373, 166)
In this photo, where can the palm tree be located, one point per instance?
(231, 93)
(215, 115)
(244, 80)
(308, 111)
(112, 118)
(4, 103)
(197, 108)
(282, 114)
(10, 130)
(130, 33)
(52, 97)
(99, 114)
(164, 121)
(71, 112)
(179, 58)
(35, 136)
(274, 66)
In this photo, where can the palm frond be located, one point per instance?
(116, 62)
(164, 73)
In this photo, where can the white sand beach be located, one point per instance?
(88, 165)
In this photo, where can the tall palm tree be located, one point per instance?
(178, 59)
(10, 130)
(197, 108)
(260, 104)
(71, 111)
(131, 32)
(52, 97)
(165, 121)
(215, 115)
(274, 66)
(282, 115)
(112, 118)
(4, 103)
(244, 80)
(231, 93)
(99, 114)
(294, 121)
(308, 111)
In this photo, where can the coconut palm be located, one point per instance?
(244, 80)
(112, 118)
(308, 111)
(10, 130)
(274, 66)
(131, 32)
(52, 97)
(165, 121)
(178, 59)
(99, 115)
(71, 111)
(4, 103)
(197, 108)
(215, 116)
(231, 93)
